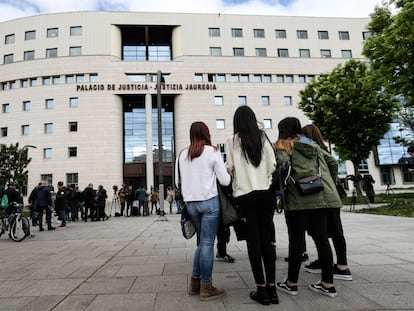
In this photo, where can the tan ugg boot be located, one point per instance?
(209, 292)
(194, 286)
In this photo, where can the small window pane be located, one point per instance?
(302, 34)
(238, 51)
(366, 35)
(214, 32)
(220, 124)
(8, 58)
(235, 78)
(283, 52)
(73, 102)
(280, 78)
(73, 151)
(52, 32)
(25, 83)
(259, 33)
(343, 35)
(280, 33)
(80, 78)
(93, 78)
(323, 35)
(51, 53)
(46, 80)
(257, 78)
(218, 100)
(244, 78)
(289, 79)
(6, 108)
(26, 105)
(267, 123)
(25, 129)
(76, 30)
(48, 128)
(242, 100)
(304, 53)
(75, 51)
(301, 79)
(265, 100)
(8, 39)
(267, 78)
(287, 100)
(215, 51)
(198, 77)
(4, 131)
(47, 153)
(346, 54)
(70, 79)
(261, 52)
(73, 126)
(56, 79)
(326, 53)
(50, 103)
(237, 32)
(29, 55)
(33, 81)
(30, 35)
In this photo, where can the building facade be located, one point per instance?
(81, 87)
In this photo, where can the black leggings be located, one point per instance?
(314, 220)
(258, 208)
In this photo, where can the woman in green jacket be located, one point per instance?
(306, 212)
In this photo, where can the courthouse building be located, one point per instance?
(80, 88)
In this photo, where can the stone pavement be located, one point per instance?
(139, 263)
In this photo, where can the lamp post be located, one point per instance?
(26, 181)
(160, 150)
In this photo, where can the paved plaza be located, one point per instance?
(141, 263)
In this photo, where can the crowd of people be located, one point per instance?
(251, 159)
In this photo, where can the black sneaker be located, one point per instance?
(319, 288)
(313, 267)
(284, 287)
(339, 274)
(226, 258)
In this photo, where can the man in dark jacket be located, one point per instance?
(44, 203)
(61, 203)
(89, 200)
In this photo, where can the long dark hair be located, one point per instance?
(245, 125)
(289, 128)
(199, 137)
(312, 131)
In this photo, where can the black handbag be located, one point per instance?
(228, 206)
(309, 185)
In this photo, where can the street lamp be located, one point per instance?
(160, 149)
(26, 181)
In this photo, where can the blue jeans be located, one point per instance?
(62, 215)
(206, 218)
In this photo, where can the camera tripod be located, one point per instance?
(114, 203)
(354, 195)
(389, 189)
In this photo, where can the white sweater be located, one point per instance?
(245, 177)
(198, 177)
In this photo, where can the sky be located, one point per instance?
(11, 9)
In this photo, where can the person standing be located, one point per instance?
(306, 212)
(122, 199)
(335, 230)
(170, 197)
(141, 196)
(154, 201)
(61, 203)
(101, 197)
(251, 162)
(44, 204)
(88, 201)
(200, 165)
(130, 197)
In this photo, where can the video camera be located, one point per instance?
(115, 188)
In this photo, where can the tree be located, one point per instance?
(390, 51)
(352, 112)
(13, 163)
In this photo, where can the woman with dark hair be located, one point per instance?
(251, 162)
(201, 165)
(306, 212)
(335, 231)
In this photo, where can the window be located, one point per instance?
(48, 128)
(47, 153)
(4, 131)
(242, 100)
(237, 32)
(70, 79)
(283, 52)
(215, 51)
(323, 35)
(301, 78)
(257, 78)
(238, 52)
(72, 151)
(8, 39)
(5, 108)
(93, 78)
(33, 81)
(343, 35)
(51, 53)
(72, 179)
(46, 80)
(8, 59)
(73, 126)
(198, 77)
(218, 100)
(280, 33)
(220, 125)
(310, 78)
(326, 53)
(346, 53)
(287, 100)
(30, 35)
(304, 53)
(302, 34)
(267, 123)
(73, 102)
(56, 79)
(261, 52)
(29, 55)
(265, 100)
(80, 78)
(47, 177)
(26, 105)
(267, 78)
(289, 79)
(76, 30)
(244, 78)
(4, 86)
(259, 33)
(52, 32)
(216, 77)
(235, 78)
(280, 79)
(214, 32)
(25, 129)
(363, 167)
(50, 103)
(75, 51)
(366, 35)
(25, 83)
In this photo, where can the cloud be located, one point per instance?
(11, 9)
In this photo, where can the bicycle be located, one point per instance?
(16, 223)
